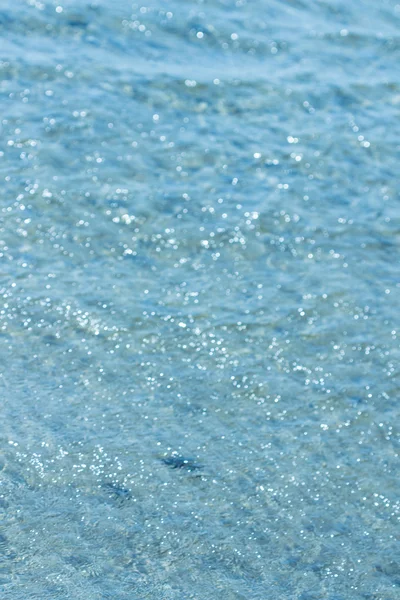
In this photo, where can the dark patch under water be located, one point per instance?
(179, 462)
(116, 492)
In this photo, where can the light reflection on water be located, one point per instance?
(199, 280)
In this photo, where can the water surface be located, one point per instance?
(199, 261)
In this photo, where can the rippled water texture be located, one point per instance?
(199, 262)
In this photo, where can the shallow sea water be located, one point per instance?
(199, 261)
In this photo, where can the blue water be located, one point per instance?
(199, 262)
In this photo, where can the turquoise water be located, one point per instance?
(199, 260)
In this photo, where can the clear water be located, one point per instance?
(199, 259)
